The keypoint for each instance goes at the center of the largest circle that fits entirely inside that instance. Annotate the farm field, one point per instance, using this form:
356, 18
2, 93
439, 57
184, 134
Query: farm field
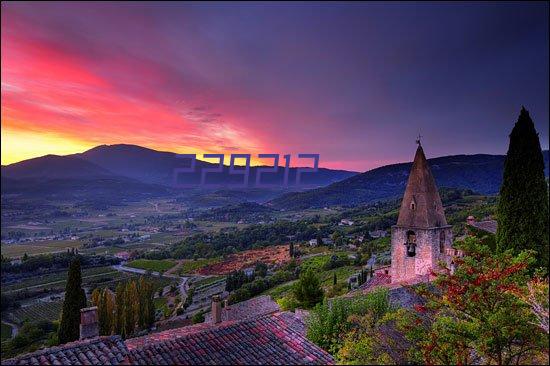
191, 266
270, 255
207, 281
40, 311
38, 247
214, 226
155, 265
279, 291
58, 279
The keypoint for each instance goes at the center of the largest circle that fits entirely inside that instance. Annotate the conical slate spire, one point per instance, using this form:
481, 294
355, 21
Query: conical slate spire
421, 206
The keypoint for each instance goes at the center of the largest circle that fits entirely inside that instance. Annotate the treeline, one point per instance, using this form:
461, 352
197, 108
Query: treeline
232, 213
54, 261
130, 310
261, 284
212, 245
237, 279
31, 336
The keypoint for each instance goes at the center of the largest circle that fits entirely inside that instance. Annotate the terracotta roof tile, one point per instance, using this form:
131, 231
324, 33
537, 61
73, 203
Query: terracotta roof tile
85, 352
275, 338
256, 306
487, 225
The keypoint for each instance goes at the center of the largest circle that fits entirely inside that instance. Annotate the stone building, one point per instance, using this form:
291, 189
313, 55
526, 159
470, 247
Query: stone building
421, 237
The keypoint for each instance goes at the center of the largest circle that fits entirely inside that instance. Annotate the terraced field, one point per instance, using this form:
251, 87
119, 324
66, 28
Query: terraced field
40, 311
58, 279
38, 247
155, 265
191, 266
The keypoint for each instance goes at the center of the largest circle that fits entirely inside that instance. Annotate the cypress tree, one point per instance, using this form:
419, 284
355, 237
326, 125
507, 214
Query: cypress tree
75, 299
334, 279
522, 212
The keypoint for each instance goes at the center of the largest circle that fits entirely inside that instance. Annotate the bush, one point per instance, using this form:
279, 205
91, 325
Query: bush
327, 323
198, 318
288, 302
335, 262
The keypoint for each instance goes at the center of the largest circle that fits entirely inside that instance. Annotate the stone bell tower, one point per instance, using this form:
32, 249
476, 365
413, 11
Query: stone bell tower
421, 237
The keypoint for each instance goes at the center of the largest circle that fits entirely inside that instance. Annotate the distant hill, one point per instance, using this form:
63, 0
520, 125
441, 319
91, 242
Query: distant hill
109, 189
54, 167
151, 166
131, 172
480, 173
54, 177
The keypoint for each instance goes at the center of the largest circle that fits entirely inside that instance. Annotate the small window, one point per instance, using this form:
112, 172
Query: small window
413, 206
441, 242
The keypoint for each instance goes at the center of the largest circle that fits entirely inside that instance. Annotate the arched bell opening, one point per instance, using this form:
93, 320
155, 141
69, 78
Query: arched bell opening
411, 243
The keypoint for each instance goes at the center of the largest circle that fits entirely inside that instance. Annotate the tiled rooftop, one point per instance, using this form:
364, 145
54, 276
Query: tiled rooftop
96, 351
260, 305
275, 338
487, 225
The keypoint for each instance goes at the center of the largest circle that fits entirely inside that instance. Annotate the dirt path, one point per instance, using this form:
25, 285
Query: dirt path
175, 270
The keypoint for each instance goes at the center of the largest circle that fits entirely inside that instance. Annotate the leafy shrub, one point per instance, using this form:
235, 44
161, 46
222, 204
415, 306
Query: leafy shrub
328, 322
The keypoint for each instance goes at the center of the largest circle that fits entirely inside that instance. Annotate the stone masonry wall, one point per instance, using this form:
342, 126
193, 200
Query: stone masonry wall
427, 255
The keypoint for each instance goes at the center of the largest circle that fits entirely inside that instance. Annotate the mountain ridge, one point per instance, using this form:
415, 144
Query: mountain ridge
151, 166
481, 173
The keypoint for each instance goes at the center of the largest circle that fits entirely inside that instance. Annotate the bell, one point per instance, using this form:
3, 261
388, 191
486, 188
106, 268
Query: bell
411, 249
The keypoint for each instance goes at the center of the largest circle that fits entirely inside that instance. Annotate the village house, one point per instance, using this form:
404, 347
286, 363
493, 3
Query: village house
123, 255
488, 225
378, 234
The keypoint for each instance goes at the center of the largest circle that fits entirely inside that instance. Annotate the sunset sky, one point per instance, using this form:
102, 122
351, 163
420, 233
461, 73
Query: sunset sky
354, 82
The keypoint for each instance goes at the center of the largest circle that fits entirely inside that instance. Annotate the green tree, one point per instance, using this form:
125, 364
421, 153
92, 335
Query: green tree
307, 290
131, 307
260, 270
198, 318
476, 315
328, 323
95, 297
104, 309
319, 240
119, 309
522, 212
146, 303
75, 299
334, 279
